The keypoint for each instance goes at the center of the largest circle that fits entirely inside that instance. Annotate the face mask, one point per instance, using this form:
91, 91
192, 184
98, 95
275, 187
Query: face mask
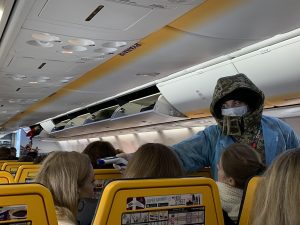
237, 111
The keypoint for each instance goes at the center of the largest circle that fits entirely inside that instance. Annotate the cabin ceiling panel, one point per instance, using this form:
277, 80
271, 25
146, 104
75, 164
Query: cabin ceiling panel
70, 102
11, 108
175, 55
14, 89
37, 67
61, 49
112, 16
117, 20
21, 97
37, 93
8, 83
250, 20
8, 110
49, 112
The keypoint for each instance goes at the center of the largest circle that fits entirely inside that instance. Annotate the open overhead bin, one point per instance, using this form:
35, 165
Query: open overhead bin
273, 68
196, 89
142, 108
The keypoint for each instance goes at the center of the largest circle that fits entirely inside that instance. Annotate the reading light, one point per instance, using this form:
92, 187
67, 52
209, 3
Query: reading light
44, 37
75, 48
105, 50
66, 52
81, 42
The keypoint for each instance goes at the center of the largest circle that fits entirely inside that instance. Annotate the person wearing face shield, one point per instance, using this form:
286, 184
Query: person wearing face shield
237, 106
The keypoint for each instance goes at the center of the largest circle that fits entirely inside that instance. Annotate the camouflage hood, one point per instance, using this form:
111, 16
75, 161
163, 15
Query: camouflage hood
238, 87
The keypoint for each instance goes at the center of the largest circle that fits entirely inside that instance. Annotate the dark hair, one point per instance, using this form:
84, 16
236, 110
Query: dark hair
241, 162
32, 154
26, 158
154, 160
4, 153
97, 150
119, 151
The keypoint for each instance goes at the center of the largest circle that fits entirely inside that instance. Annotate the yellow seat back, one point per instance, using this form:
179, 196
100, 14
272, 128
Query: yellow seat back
205, 172
12, 167
248, 201
26, 173
28, 204
6, 177
4, 161
102, 176
160, 201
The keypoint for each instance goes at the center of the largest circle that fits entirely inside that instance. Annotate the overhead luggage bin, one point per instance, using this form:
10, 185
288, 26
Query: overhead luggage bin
278, 69
144, 111
196, 89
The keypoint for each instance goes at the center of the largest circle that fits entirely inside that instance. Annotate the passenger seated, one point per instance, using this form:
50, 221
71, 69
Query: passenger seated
29, 157
97, 150
39, 159
13, 153
26, 158
153, 160
5, 153
69, 176
238, 163
277, 196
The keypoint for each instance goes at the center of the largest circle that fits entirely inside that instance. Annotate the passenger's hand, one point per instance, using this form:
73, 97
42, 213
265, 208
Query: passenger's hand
122, 162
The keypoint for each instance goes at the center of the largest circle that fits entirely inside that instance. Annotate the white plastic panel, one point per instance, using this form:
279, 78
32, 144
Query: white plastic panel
275, 70
47, 125
194, 91
284, 112
30, 66
251, 20
118, 20
112, 16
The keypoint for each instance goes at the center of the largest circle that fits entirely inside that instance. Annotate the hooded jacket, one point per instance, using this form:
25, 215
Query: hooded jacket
205, 148
243, 129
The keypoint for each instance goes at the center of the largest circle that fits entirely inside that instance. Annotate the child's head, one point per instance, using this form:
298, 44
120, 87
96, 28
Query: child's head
153, 160
238, 163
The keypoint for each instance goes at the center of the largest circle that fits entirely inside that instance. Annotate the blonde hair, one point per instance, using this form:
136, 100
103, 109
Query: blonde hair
277, 197
63, 173
153, 160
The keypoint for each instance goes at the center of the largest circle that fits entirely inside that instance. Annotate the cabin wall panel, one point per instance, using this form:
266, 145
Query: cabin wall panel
130, 142
294, 122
